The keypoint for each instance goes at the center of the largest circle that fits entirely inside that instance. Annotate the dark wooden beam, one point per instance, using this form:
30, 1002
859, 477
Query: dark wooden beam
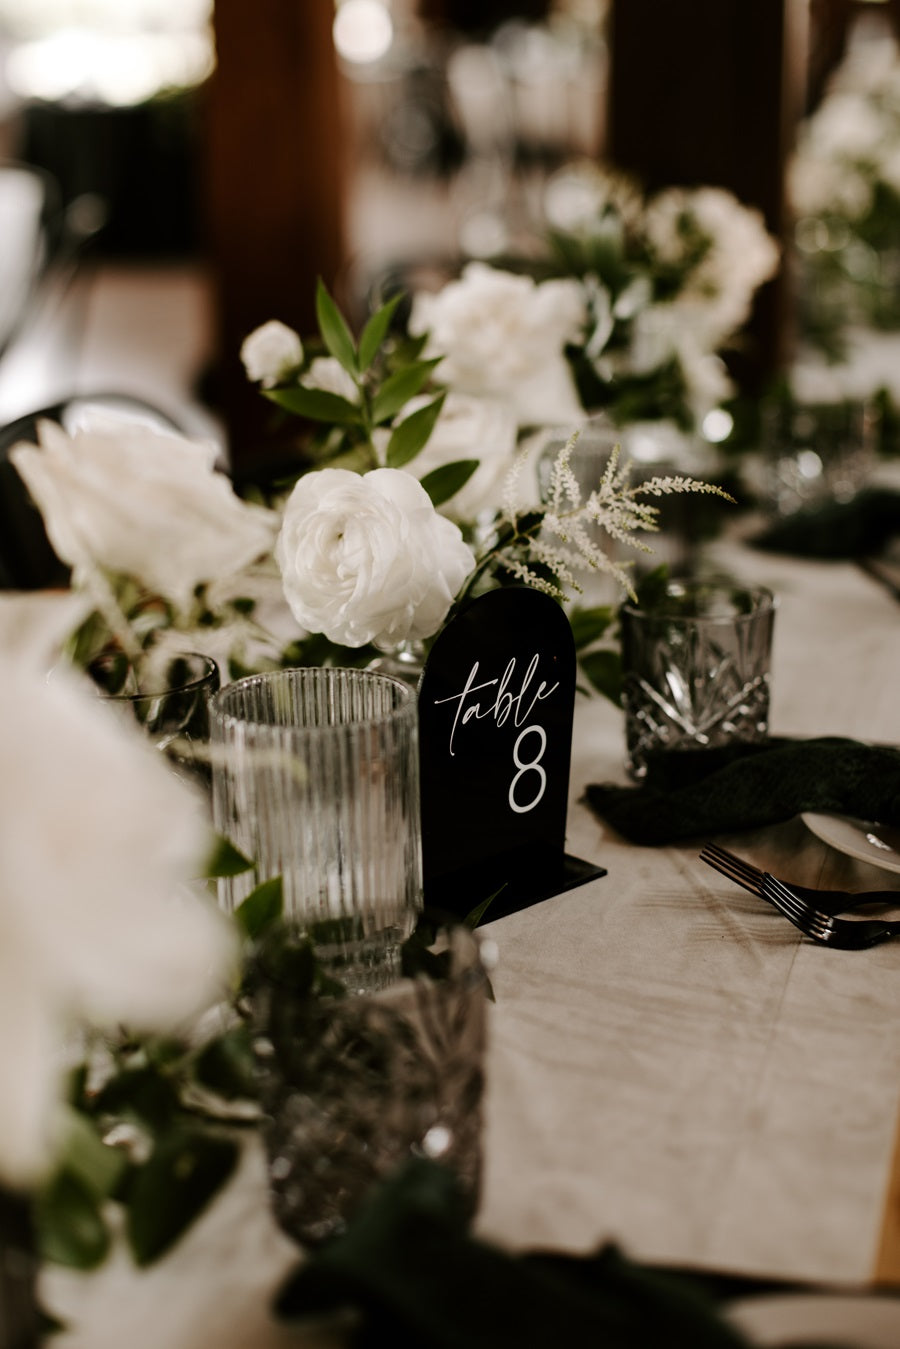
274, 177
710, 92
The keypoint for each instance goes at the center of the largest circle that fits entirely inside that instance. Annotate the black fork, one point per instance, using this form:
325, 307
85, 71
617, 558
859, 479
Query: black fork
751, 878
844, 934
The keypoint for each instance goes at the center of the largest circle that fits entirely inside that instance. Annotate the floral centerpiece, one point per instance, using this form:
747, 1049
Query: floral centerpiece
667, 282
409, 498
844, 186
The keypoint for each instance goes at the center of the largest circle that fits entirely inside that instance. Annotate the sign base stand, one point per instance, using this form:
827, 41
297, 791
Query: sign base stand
461, 893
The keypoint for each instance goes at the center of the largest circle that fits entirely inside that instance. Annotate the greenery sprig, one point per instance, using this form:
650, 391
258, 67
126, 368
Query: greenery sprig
386, 371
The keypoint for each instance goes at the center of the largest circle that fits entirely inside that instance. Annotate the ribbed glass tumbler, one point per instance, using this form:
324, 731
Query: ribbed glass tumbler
695, 667
316, 778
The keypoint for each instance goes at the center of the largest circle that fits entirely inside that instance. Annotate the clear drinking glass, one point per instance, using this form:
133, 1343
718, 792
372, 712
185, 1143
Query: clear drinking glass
695, 666
171, 705
316, 778
353, 1086
816, 452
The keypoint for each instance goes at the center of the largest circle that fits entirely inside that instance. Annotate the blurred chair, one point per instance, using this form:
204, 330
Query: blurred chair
27, 559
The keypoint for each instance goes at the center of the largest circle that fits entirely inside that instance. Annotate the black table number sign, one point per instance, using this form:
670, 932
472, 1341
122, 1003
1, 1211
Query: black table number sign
496, 705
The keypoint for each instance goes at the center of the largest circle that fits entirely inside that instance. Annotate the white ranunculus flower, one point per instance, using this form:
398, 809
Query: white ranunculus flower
367, 558
327, 373
503, 336
271, 352
141, 501
98, 843
469, 428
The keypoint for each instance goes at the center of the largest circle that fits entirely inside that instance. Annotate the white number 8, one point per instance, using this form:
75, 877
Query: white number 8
532, 766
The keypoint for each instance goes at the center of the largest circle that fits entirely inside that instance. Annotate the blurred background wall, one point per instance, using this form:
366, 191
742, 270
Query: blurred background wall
381, 142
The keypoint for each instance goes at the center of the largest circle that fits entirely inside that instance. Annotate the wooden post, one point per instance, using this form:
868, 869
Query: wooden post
274, 190
710, 92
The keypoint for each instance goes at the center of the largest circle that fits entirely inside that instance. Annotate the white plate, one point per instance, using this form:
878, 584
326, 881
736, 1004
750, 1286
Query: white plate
867, 842
861, 1322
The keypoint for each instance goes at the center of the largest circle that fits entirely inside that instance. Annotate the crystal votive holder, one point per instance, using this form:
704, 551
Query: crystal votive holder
351, 1087
316, 779
695, 666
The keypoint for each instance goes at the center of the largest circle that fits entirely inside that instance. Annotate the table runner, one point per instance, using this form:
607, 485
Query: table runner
671, 1064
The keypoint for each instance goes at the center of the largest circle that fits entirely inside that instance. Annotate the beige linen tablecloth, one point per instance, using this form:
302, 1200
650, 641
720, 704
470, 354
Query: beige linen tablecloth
671, 1065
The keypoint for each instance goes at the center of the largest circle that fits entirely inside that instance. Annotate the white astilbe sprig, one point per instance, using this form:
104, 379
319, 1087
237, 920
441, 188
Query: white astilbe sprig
561, 537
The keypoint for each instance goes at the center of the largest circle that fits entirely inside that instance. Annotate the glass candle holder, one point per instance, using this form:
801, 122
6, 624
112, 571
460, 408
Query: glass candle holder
351, 1087
316, 779
695, 665
816, 452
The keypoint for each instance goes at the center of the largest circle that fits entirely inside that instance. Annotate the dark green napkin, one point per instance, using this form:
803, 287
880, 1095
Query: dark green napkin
418, 1280
837, 530
688, 793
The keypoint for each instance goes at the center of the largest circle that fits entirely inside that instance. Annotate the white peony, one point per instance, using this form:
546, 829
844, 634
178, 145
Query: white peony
271, 352
469, 428
503, 336
367, 558
98, 841
140, 501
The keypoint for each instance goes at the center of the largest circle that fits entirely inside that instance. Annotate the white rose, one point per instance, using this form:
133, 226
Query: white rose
469, 428
367, 558
327, 373
98, 841
503, 336
271, 352
141, 501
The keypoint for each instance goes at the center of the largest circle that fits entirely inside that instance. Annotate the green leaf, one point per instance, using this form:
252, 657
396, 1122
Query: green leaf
335, 333
590, 624
184, 1171
474, 916
261, 908
226, 860
97, 1167
408, 349
399, 388
140, 1093
316, 404
652, 587
444, 482
604, 670
412, 433
375, 331
226, 1067
69, 1222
